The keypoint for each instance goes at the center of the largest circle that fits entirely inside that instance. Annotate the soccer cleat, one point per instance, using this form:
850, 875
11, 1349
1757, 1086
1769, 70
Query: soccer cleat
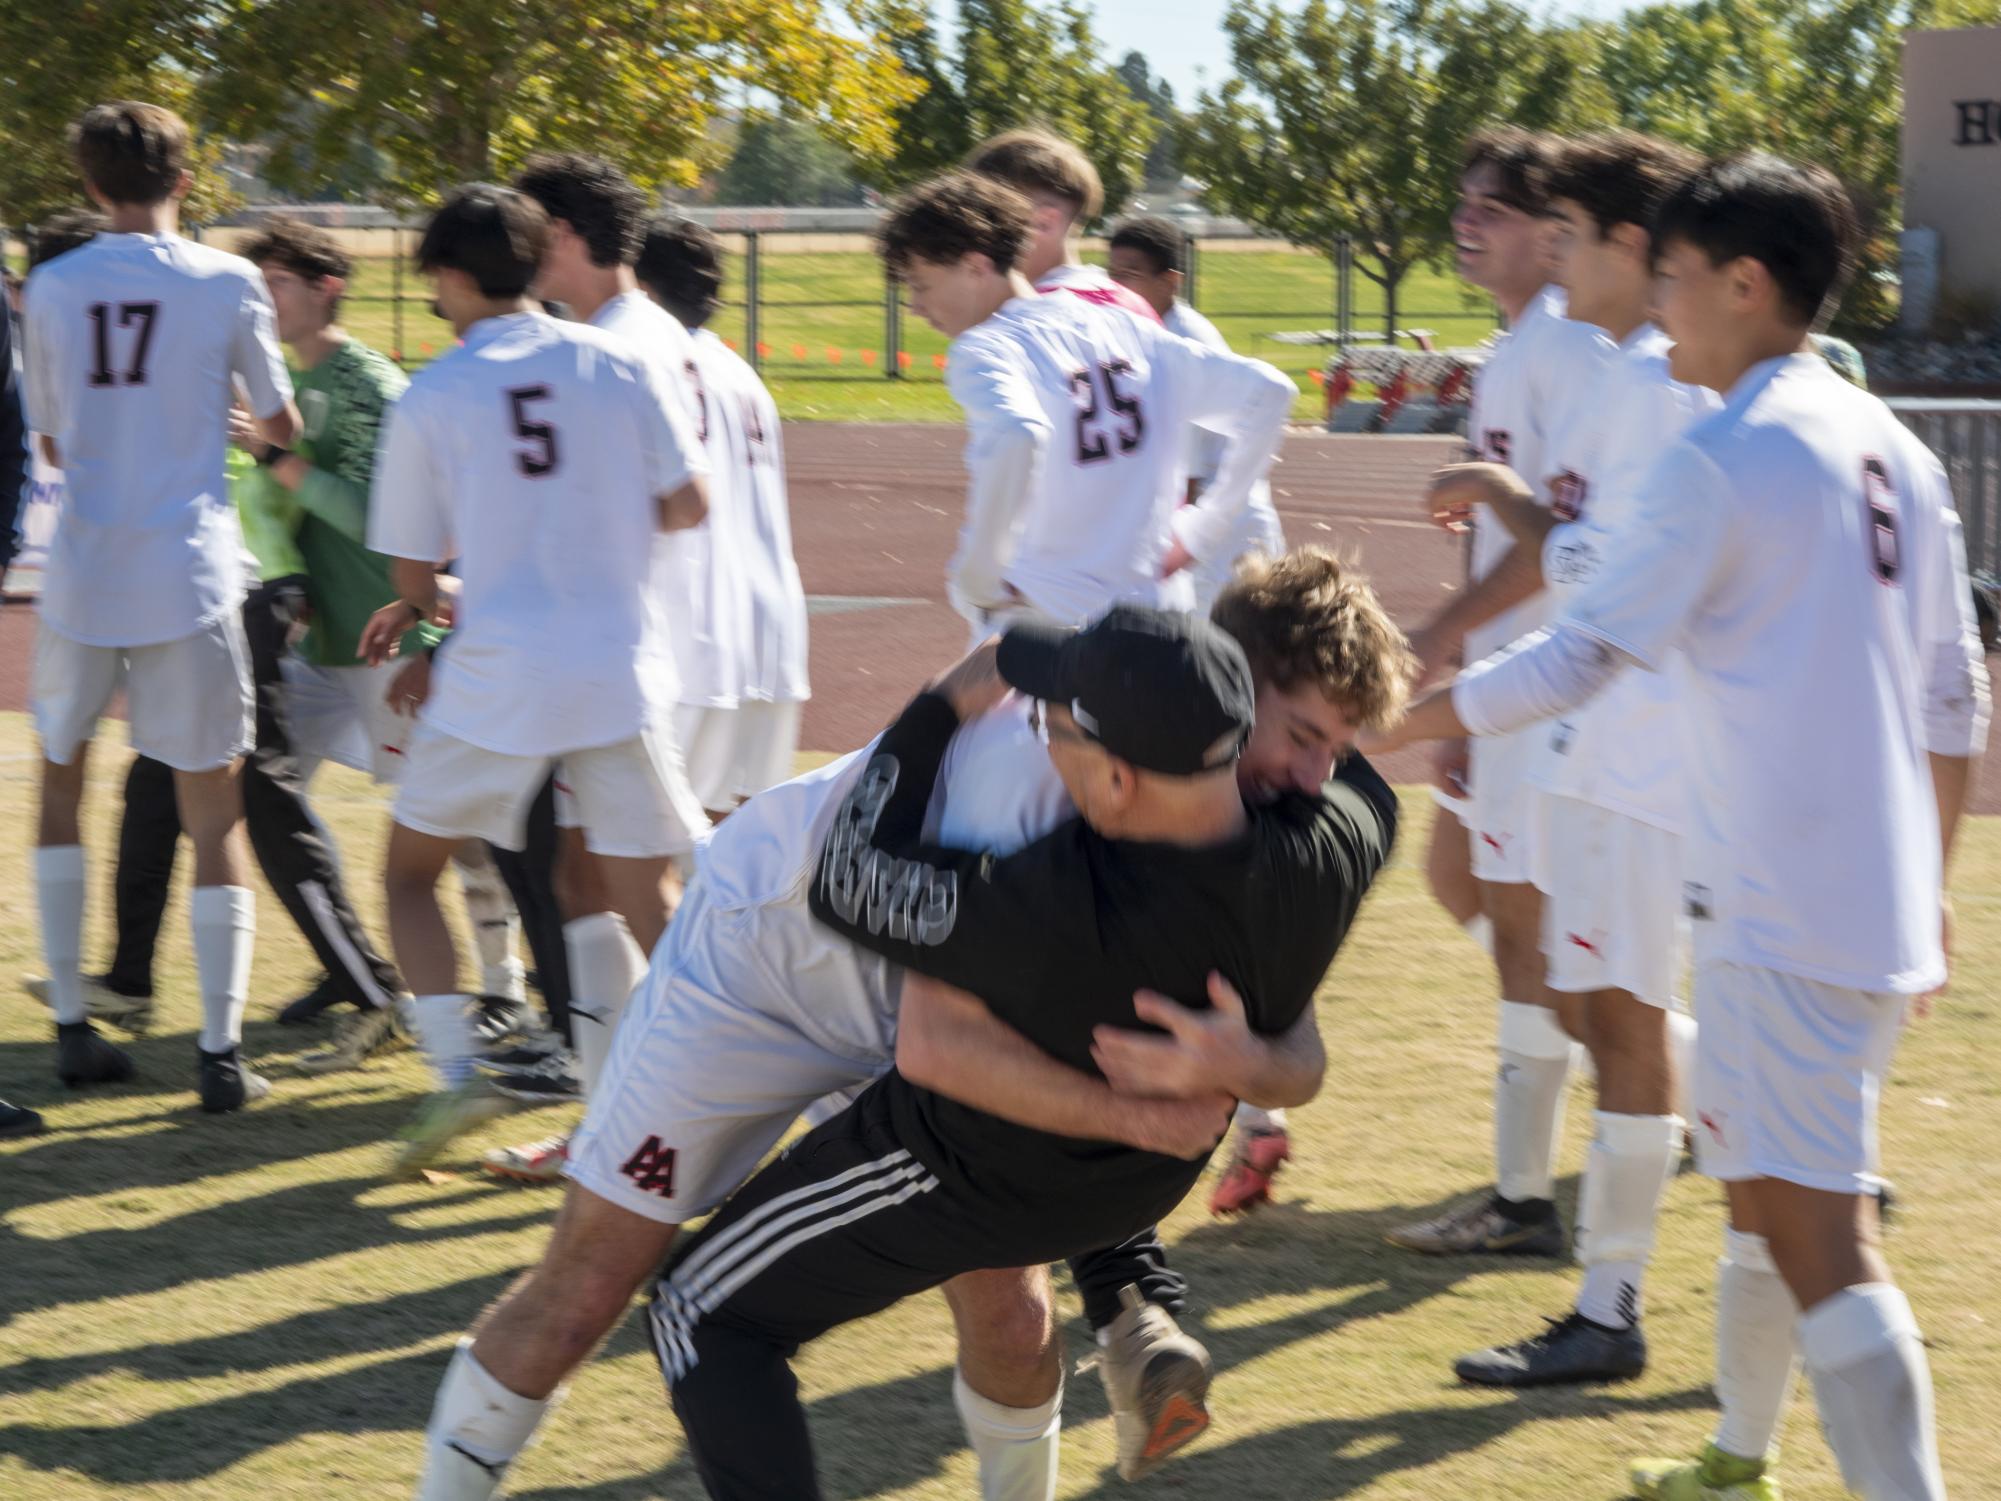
309, 1007
19, 1120
532, 1162
1570, 1351
358, 1038
496, 1018
1491, 1226
1246, 1182
552, 1082
1711, 1476
1158, 1381
530, 1052
131, 1013
83, 1057
442, 1118
226, 1084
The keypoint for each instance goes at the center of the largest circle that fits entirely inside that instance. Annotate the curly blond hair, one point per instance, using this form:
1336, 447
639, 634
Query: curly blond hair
1308, 617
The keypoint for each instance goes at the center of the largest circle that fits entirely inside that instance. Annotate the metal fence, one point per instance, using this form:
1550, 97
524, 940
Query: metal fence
1966, 436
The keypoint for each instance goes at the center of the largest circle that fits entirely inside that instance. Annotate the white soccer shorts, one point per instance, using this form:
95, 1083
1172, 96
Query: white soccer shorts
1612, 900
1787, 1075
343, 714
630, 799
189, 701
706, 1073
1502, 825
736, 753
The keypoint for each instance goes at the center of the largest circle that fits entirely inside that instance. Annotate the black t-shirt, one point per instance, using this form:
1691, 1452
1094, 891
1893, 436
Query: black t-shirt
1057, 937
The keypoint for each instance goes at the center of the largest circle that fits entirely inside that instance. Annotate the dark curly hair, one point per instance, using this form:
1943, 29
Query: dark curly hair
1160, 240
301, 248
1794, 219
604, 206
681, 264
951, 216
61, 233
1621, 176
1522, 159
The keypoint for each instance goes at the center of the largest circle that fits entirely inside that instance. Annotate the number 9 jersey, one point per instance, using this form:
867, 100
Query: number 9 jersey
1076, 454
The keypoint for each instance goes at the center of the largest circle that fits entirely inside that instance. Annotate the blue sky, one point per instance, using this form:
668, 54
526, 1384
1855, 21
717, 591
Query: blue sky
1183, 39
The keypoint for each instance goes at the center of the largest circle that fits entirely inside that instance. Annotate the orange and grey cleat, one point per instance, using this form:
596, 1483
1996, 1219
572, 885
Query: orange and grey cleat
1246, 1183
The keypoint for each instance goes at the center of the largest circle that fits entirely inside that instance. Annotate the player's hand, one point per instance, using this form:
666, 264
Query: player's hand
1188, 1129
385, 631
243, 433
1452, 768
1458, 488
1922, 1006
411, 687
1203, 1052
1175, 559
974, 684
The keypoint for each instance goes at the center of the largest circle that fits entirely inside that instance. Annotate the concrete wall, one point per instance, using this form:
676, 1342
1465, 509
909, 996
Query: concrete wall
1952, 152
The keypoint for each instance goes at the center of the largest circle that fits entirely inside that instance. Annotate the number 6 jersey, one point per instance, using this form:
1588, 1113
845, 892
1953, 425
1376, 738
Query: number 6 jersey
134, 345
1078, 416
534, 453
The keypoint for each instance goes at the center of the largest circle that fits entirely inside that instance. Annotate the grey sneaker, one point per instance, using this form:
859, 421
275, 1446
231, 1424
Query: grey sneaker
131, 1013
1491, 1227
1158, 1381
357, 1038
1569, 1352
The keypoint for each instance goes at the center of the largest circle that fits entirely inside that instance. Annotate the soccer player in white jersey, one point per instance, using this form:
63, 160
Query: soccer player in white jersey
1609, 778
1542, 368
1800, 547
1066, 194
544, 458
597, 219
1075, 415
137, 344
734, 755
751, 1011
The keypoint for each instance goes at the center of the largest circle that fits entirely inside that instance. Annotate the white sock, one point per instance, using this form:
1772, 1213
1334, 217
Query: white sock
494, 924
1625, 1173
1480, 928
1251, 1118
604, 966
1874, 1388
1681, 1052
444, 1032
59, 888
1016, 1446
477, 1428
1757, 1347
224, 919
1528, 1100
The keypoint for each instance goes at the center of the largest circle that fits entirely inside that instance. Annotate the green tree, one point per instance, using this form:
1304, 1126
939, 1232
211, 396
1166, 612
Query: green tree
787, 162
1163, 158
1018, 64
450, 91
1347, 119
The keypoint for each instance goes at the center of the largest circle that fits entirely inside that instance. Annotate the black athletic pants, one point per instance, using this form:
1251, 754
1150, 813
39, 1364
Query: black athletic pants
1141, 1260
293, 848
530, 876
844, 1225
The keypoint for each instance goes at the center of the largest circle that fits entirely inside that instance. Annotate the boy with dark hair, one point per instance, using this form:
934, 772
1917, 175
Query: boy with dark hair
1075, 415
135, 343
544, 457
1801, 548
1541, 369
1065, 194
62, 232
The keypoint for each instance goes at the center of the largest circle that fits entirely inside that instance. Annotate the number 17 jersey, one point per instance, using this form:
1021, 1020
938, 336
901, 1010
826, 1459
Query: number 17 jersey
533, 454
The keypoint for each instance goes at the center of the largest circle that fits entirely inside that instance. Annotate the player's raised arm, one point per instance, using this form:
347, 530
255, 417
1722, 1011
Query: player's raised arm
1007, 446
258, 361
1245, 400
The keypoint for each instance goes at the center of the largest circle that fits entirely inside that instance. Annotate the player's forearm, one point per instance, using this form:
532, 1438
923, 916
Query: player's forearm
1204, 527
415, 582
1952, 776
686, 507
282, 428
1285, 1071
1517, 577
338, 501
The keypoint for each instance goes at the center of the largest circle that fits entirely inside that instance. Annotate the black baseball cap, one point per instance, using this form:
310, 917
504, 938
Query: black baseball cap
1169, 693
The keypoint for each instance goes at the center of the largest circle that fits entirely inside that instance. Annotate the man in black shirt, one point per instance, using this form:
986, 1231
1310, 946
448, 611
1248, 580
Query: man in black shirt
1172, 878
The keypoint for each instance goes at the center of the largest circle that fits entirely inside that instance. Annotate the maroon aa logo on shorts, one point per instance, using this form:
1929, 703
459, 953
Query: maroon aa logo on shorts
1566, 495
652, 1168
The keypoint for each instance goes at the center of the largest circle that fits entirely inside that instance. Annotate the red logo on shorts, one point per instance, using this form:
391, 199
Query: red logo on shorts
652, 1168
1498, 843
1713, 1124
1589, 945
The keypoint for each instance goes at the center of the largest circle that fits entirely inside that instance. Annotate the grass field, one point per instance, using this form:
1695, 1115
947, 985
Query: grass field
815, 304
196, 1308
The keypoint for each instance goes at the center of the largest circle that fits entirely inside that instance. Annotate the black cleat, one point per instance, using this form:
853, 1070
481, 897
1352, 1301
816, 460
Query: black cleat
83, 1057
19, 1120
551, 1083
496, 1018
1570, 1351
226, 1084
311, 1006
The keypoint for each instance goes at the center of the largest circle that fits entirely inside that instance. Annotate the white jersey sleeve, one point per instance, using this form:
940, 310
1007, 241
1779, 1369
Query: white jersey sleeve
1955, 706
1245, 400
1007, 445
408, 511
670, 455
255, 357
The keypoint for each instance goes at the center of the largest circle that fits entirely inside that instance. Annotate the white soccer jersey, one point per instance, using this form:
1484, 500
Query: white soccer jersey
746, 450
1541, 370
135, 346
1257, 530
534, 453
1801, 547
1076, 415
1623, 750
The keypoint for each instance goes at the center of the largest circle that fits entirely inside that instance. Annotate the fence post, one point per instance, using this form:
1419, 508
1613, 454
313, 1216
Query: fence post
1344, 289
892, 327
1188, 277
751, 293
396, 291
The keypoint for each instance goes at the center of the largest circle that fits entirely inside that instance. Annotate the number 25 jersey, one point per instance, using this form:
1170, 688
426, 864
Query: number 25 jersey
533, 454
1078, 416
